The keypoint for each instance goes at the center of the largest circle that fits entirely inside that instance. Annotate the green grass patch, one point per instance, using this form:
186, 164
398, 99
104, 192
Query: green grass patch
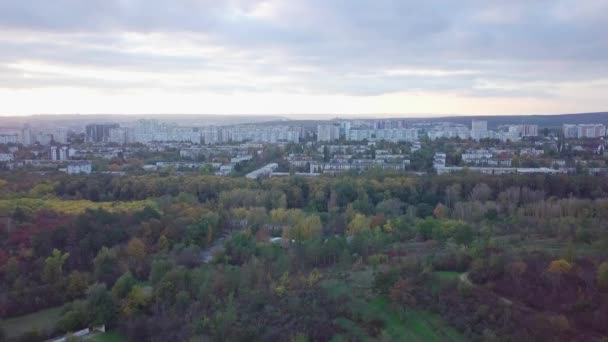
42, 321
411, 325
440, 279
108, 337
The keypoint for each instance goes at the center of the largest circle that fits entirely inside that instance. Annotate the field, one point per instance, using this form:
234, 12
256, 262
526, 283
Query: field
43, 320
70, 206
396, 325
412, 325
108, 337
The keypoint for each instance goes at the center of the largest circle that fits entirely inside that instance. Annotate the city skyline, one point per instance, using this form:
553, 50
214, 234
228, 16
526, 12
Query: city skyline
297, 58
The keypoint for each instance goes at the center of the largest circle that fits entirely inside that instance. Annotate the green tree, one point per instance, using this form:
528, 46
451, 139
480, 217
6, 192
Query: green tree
53, 266
77, 284
100, 305
105, 265
123, 286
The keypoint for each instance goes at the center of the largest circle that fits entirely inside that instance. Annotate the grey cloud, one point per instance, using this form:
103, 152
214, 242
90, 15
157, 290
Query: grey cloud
517, 40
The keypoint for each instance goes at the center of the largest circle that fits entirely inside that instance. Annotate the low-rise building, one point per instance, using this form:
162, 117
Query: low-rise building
79, 168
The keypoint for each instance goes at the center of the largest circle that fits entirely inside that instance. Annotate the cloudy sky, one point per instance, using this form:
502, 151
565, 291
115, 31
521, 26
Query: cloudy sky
303, 56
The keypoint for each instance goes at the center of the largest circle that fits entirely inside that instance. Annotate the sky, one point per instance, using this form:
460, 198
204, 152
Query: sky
375, 57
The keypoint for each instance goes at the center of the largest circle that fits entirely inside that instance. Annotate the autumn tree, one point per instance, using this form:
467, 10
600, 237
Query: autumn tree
401, 293
306, 228
358, 224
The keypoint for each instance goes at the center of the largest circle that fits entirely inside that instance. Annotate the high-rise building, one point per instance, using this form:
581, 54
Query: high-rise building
524, 130
8, 138
479, 125
118, 135
63, 153
479, 129
98, 133
591, 131
60, 136
54, 155
327, 132
584, 131
570, 131
26, 135
211, 135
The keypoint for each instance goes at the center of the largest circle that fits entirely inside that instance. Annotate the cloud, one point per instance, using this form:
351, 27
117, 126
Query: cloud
357, 48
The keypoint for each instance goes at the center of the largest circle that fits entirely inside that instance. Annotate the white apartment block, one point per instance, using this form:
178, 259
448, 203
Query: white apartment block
118, 135
78, 168
524, 130
26, 135
570, 131
584, 131
591, 131
388, 134
60, 136
8, 138
149, 130
449, 132
6, 157
479, 125
328, 132
264, 135
212, 135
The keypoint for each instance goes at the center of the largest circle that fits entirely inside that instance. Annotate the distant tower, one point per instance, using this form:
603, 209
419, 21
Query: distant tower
63, 153
26, 135
53, 152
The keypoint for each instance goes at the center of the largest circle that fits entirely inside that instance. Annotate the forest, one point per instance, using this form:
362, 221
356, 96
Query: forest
379, 256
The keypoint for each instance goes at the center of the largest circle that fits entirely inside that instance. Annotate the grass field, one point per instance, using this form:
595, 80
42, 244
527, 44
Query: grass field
441, 278
374, 310
70, 206
43, 320
412, 325
108, 337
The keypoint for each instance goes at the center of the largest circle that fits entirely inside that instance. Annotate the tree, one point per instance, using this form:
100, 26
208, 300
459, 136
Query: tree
100, 305
123, 286
556, 270
391, 207
441, 211
240, 247
106, 266
602, 275
75, 318
401, 293
384, 281
136, 249
516, 270
481, 192
358, 224
306, 228
559, 266
222, 322
158, 269
452, 194
77, 284
137, 299
53, 266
